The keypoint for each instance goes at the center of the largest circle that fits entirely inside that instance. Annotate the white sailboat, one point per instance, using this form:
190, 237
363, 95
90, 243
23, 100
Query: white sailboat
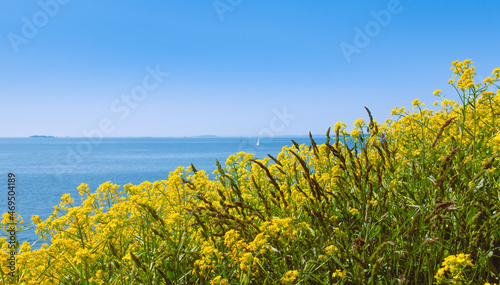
258, 141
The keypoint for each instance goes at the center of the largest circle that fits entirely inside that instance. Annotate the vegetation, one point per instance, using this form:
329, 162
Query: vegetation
414, 200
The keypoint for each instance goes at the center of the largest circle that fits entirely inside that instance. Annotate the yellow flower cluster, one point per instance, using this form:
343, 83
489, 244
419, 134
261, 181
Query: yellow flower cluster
340, 274
290, 276
466, 72
218, 280
332, 250
453, 268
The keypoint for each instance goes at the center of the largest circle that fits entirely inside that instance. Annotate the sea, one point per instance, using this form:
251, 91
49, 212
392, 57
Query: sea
45, 168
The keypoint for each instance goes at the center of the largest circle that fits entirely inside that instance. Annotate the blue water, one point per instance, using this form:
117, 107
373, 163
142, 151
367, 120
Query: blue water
47, 168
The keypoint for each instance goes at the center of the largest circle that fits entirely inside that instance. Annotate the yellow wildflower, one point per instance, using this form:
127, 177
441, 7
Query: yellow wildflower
359, 123
455, 265
331, 250
290, 276
5, 218
488, 80
354, 133
416, 103
340, 274
338, 126
218, 280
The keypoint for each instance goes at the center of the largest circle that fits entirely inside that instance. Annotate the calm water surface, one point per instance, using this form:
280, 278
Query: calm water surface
47, 168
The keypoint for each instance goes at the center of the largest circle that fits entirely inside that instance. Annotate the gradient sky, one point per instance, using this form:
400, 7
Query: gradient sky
251, 68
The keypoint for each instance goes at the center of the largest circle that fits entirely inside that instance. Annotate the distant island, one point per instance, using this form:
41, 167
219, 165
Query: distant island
45, 137
205, 136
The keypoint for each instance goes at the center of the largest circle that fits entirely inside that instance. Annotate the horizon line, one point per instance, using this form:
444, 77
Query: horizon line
180, 137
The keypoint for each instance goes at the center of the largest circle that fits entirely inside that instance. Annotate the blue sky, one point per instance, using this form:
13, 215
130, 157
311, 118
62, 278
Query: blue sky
235, 67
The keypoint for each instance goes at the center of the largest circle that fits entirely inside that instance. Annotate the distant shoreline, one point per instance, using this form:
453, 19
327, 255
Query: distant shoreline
44, 137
